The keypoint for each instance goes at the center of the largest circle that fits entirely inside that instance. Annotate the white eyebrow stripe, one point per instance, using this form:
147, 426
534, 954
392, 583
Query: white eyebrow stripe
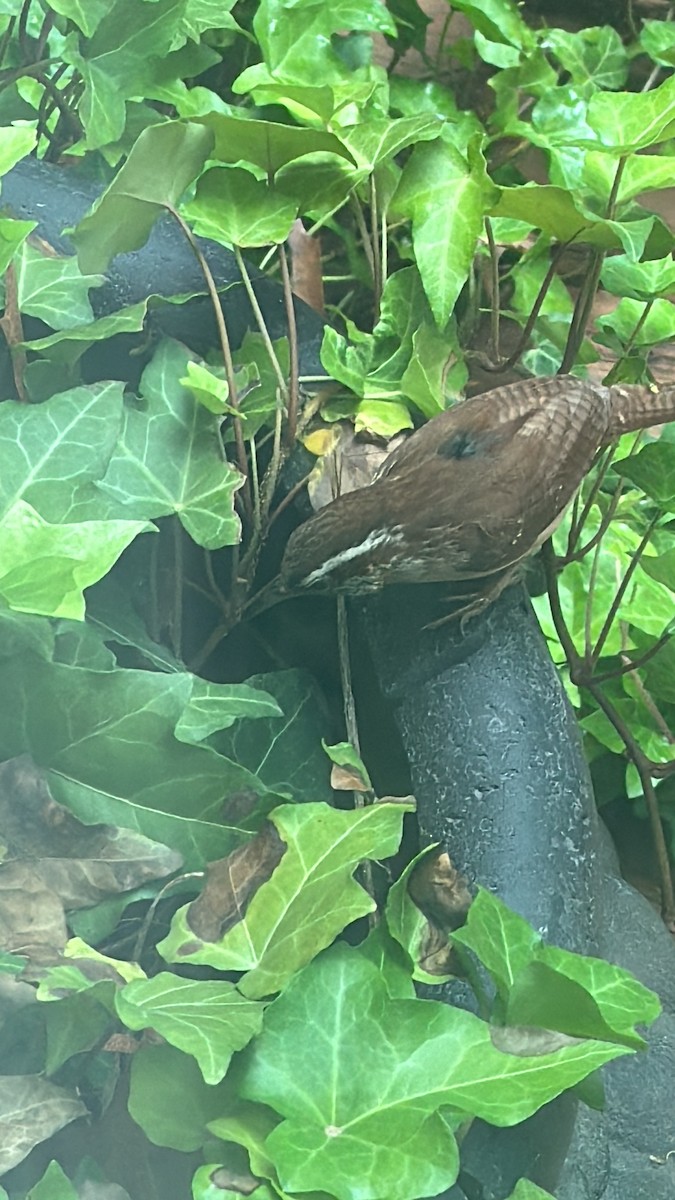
374, 539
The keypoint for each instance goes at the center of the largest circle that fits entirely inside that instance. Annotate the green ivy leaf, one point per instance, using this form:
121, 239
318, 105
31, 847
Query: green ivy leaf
45, 568
53, 289
15, 143
657, 39
445, 196
51, 1109
639, 280
525, 1190
628, 323
107, 744
115, 60
410, 1059
235, 208
309, 898
372, 142
283, 753
214, 706
169, 457
498, 21
556, 212
296, 39
267, 145
653, 470
52, 453
596, 55
12, 234
54, 1185
208, 1019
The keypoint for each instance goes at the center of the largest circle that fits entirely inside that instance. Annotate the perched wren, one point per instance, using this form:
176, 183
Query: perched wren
469, 495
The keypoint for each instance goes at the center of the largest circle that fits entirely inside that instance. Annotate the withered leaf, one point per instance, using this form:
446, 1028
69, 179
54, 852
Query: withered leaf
53, 862
231, 882
440, 891
235, 1181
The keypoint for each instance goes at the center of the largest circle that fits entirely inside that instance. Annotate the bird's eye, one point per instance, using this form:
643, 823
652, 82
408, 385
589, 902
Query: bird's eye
459, 445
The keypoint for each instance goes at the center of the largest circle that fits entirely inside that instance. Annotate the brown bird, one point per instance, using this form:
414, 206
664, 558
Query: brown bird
469, 495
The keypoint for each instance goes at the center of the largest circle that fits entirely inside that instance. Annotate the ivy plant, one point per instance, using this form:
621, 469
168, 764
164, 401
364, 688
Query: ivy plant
254, 1033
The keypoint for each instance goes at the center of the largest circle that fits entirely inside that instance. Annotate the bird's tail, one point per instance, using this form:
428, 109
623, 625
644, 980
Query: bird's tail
637, 407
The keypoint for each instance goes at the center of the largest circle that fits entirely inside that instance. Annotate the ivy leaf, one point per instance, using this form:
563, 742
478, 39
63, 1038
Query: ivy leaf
445, 196
53, 452
235, 208
595, 55
45, 568
115, 61
653, 470
15, 143
657, 39
639, 280
267, 145
169, 457
318, 183
283, 752
616, 122
301, 906
497, 20
525, 1190
164, 160
556, 212
208, 1019
106, 742
214, 706
51, 1108
170, 1100
411, 1059
53, 289
297, 39
12, 234
629, 323
86, 14
372, 142
550, 988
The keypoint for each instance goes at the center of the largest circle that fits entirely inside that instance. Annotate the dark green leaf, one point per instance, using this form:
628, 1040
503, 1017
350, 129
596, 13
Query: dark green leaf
169, 1099
163, 162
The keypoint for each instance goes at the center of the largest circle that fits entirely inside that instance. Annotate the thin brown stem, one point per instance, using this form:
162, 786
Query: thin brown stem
260, 322
226, 351
634, 664
532, 318
375, 242
349, 709
289, 498
622, 588
579, 520
597, 537
294, 372
582, 312
494, 291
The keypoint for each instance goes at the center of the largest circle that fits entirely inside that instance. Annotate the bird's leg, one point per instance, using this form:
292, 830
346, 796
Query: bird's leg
488, 590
